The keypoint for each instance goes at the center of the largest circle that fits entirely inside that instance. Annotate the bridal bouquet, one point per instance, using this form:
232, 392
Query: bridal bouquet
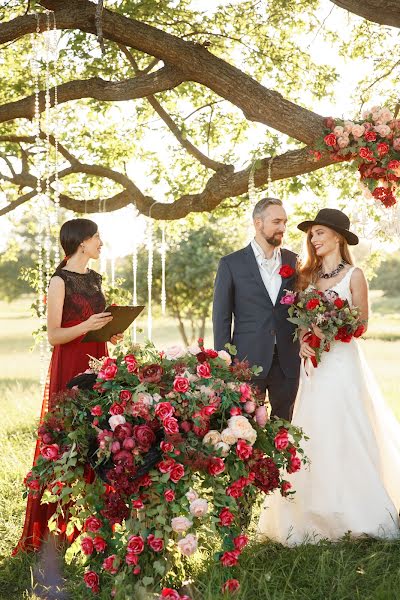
156, 455
333, 315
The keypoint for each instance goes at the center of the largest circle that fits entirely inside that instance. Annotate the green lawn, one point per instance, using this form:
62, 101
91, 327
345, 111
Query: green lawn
365, 570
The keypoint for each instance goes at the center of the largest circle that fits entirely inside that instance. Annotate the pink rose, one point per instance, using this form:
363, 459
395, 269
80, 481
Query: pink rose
188, 545
93, 524
115, 447
171, 425
180, 524
174, 352
204, 370
92, 581
261, 416
125, 395
165, 466
231, 586
288, 298
245, 391
96, 411
396, 144
131, 558
116, 409
123, 458
295, 465
181, 385
169, 495
357, 131
128, 443
166, 446
109, 372
156, 544
225, 356
99, 543
343, 142
87, 545
50, 451
249, 407
191, 495
164, 409
135, 544
235, 411
111, 564
131, 363
281, 439
199, 507
243, 450
116, 420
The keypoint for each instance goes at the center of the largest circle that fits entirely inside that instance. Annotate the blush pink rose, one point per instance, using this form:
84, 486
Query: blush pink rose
199, 507
188, 545
261, 415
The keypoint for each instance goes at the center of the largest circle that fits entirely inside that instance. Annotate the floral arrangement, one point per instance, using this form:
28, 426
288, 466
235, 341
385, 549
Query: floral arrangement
374, 144
155, 455
333, 316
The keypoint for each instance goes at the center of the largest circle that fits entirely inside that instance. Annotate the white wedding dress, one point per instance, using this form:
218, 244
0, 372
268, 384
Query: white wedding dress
353, 481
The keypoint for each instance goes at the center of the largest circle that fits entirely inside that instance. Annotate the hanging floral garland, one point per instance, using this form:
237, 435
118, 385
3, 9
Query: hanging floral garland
373, 143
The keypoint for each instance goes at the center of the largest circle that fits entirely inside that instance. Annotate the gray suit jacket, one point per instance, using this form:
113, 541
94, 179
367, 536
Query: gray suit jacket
240, 294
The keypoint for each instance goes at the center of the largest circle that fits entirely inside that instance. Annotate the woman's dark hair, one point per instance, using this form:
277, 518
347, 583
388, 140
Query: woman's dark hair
72, 234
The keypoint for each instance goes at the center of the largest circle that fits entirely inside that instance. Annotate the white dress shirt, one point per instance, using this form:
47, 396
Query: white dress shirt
269, 269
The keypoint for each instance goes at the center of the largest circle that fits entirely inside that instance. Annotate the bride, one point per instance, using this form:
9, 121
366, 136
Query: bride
352, 485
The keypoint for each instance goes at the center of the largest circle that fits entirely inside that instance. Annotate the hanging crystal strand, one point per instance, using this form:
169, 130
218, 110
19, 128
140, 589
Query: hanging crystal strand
269, 176
113, 269
251, 184
56, 194
163, 252
150, 250
40, 224
134, 290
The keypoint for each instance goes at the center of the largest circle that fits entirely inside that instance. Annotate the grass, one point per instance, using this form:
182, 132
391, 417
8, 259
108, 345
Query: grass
349, 570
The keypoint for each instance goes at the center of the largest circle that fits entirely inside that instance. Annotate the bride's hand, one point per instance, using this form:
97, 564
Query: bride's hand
318, 332
305, 350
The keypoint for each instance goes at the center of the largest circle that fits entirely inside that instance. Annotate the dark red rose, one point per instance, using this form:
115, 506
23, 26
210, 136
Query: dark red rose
123, 458
186, 426
93, 524
201, 425
215, 466
92, 581
313, 303
47, 438
330, 139
144, 436
201, 357
87, 545
99, 543
359, 331
131, 558
226, 518
181, 385
329, 122
116, 409
170, 425
156, 544
231, 586
150, 373
164, 410
343, 335
339, 303
50, 451
137, 504
136, 544
123, 431
286, 271
177, 472
230, 559
125, 395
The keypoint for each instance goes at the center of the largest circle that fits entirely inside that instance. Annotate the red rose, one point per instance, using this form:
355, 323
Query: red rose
235, 490
137, 504
286, 271
150, 373
171, 425
50, 452
226, 518
181, 385
123, 431
285, 487
230, 585
92, 581
339, 303
330, 139
96, 411
235, 411
295, 465
109, 372
131, 559
131, 363
177, 472
164, 410
125, 395
204, 370
33, 485
144, 436
169, 495
313, 303
230, 559
393, 164
116, 409
201, 424
281, 439
165, 466
166, 446
136, 570
123, 458
211, 353
87, 545
99, 543
359, 331
110, 564
343, 335
382, 148
156, 544
215, 466
243, 450
240, 541
136, 544
169, 594
93, 524
366, 153
370, 136
186, 426
207, 411
47, 438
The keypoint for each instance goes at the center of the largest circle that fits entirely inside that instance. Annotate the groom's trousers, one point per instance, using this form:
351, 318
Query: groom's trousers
282, 390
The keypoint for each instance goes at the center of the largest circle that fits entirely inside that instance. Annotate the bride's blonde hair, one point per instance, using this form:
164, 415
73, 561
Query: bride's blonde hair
310, 262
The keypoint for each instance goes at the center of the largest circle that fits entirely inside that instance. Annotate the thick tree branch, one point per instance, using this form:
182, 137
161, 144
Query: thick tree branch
129, 89
384, 12
170, 123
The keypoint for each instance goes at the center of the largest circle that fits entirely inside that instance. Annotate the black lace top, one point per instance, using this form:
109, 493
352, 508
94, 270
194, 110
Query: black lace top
83, 295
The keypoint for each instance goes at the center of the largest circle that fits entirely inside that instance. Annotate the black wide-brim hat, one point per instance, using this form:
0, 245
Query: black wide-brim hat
334, 219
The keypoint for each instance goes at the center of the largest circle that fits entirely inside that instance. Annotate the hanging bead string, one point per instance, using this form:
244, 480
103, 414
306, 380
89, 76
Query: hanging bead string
163, 253
134, 289
252, 191
150, 251
47, 244
56, 194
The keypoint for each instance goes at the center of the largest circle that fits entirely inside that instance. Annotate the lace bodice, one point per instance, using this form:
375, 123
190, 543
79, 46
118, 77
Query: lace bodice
83, 295
343, 287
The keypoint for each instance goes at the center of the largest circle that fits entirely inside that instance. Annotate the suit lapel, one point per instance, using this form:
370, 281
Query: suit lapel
286, 260
255, 270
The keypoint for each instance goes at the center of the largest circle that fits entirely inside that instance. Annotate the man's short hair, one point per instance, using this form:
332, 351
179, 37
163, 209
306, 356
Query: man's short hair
263, 204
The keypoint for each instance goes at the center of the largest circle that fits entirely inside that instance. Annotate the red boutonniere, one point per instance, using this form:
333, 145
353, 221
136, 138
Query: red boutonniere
286, 271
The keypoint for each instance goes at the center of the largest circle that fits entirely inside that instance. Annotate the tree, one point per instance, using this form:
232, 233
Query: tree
184, 57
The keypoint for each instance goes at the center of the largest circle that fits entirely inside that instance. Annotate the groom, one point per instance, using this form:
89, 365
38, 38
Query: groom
248, 287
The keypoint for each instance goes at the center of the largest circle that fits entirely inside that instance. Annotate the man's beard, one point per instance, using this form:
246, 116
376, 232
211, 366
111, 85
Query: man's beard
274, 240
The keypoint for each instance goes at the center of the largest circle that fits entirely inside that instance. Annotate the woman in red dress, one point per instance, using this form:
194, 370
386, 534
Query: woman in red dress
75, 305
